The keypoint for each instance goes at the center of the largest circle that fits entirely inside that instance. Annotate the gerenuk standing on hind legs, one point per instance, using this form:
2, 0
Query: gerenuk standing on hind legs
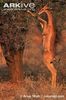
48, 41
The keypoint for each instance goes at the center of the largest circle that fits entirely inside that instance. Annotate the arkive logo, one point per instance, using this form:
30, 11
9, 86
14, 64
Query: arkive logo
22, 6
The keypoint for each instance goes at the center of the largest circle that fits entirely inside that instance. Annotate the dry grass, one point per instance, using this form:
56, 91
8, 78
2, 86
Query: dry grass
31, 90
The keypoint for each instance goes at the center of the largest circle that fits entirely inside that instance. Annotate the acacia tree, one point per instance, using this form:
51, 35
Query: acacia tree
12, 39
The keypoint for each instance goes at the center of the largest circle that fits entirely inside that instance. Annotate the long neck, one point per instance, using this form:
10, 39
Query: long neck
50, 18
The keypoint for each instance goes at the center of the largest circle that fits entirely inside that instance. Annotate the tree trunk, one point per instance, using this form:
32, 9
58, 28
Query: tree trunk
2, 58
16, 67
